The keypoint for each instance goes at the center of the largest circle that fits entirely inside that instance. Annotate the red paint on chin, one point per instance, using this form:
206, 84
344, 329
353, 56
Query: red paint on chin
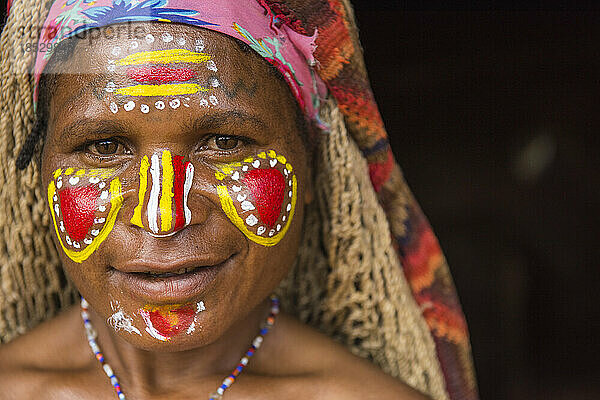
171, 321
160, 74
267, 187
78, 205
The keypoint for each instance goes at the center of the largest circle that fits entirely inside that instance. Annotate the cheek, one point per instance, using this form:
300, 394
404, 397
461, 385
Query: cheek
259, 196
84, 206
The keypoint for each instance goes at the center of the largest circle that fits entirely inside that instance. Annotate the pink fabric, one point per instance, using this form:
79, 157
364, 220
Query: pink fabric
290, 52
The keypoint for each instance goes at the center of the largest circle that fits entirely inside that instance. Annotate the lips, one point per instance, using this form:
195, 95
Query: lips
164, 283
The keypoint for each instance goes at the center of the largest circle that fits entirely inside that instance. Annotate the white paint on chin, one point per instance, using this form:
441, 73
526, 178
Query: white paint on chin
121, 321
150, 328
199, 308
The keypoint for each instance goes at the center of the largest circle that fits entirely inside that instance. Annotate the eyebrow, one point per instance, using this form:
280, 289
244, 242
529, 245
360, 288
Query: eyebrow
88, 128
219, 119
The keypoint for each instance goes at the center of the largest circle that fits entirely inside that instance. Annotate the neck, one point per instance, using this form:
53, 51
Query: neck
142, 370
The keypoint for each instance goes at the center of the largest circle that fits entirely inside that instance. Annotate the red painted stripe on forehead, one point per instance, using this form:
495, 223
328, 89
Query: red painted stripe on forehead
160, 74
178, 181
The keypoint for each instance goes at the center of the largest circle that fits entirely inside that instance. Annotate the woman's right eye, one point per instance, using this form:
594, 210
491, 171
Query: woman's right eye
105, 148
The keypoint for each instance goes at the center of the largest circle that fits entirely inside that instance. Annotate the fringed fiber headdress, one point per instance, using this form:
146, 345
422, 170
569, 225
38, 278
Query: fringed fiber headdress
369, 272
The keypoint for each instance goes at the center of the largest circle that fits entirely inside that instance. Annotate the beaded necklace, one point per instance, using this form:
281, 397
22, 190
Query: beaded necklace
227, 382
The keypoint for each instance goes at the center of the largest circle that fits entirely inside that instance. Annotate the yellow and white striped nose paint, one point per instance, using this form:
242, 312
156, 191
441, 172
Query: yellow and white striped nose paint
170, 182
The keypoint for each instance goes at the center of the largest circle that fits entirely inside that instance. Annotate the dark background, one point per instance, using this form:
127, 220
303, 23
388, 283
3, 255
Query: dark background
492, 110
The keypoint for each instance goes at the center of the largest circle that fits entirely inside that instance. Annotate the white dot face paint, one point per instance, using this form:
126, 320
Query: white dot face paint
161, 65
83, 213
130, 105
110, 87
255, 197
214, 82
199, 45
212, 66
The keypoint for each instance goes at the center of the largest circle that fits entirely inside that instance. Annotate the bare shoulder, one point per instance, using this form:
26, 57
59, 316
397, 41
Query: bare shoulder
32, 362
326, 367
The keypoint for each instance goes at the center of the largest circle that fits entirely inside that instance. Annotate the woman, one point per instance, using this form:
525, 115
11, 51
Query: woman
191, 162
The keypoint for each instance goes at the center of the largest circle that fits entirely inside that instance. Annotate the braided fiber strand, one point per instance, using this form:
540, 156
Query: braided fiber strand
347, 281
32, 284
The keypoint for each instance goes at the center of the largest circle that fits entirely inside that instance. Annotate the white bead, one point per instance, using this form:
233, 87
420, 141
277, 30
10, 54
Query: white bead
220, 391
244, 361
258, 341
108, 369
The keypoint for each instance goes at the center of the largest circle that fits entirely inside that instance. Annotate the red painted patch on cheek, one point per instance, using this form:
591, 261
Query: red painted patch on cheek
78, 205
172, 322
267, 188
160, 74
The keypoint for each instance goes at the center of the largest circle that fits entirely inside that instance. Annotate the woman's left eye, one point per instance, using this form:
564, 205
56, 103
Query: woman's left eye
224, 142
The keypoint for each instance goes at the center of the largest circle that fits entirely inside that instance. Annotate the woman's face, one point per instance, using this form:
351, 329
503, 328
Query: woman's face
176, 178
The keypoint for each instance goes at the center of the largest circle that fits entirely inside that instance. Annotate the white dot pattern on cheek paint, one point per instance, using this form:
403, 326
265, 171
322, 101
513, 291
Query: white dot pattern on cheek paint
144, 108
160, 105
134, 45
167, 37
204, 103
213, 100
130, 105
149, 38
273, 227
113, 107
175, 103
116, 51
180, 41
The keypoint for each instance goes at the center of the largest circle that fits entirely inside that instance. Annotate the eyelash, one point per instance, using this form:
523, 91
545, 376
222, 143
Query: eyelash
244, 141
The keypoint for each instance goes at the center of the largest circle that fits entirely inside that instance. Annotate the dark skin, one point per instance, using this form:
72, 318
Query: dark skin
256, 112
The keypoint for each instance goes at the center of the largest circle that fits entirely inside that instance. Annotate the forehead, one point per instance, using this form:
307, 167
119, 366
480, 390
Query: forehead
160, 68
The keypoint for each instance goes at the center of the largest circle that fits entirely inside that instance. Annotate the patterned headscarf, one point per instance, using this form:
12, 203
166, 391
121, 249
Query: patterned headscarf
314, 44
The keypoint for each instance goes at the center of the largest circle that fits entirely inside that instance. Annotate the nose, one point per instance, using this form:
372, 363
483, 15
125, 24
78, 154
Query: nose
164, 190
